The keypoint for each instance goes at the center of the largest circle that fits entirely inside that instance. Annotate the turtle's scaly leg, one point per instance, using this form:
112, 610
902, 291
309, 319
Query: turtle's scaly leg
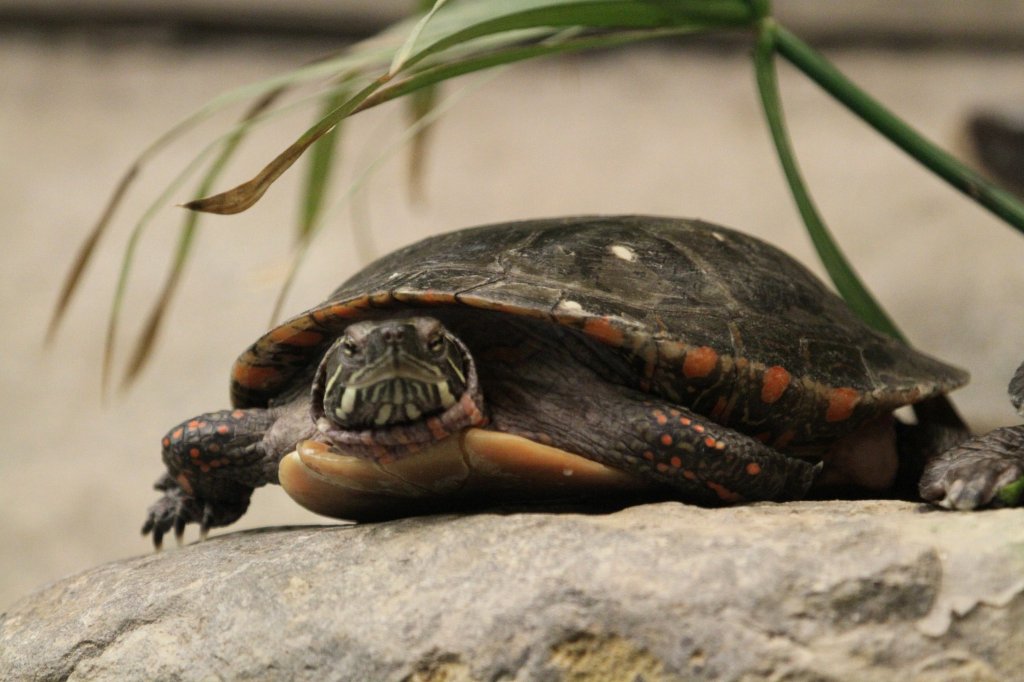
978, 472
985, 471
214, 461
705, 461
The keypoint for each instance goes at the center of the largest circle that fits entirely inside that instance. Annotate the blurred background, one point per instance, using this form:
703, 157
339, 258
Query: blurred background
668, 129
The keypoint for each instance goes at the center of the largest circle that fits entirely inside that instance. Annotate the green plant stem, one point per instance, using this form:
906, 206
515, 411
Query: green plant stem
815, 66
844, 277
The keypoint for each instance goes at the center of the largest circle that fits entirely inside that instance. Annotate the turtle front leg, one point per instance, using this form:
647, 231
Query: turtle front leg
705, 462
214, 461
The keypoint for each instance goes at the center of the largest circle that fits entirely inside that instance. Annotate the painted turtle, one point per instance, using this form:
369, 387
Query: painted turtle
514, 360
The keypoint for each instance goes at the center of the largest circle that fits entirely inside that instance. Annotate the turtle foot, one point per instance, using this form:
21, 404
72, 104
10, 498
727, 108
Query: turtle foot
986, 471
177, 508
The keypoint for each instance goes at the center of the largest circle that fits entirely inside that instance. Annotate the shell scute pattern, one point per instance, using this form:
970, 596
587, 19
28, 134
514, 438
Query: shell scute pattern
712, 318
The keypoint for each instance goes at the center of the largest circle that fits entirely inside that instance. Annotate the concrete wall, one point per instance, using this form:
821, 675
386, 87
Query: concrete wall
663, 130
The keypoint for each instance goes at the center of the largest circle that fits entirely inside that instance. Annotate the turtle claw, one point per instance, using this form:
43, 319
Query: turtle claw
978, 472
177, 508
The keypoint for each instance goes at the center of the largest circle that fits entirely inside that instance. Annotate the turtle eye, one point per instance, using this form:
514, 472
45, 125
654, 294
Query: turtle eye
436, 343
349, 347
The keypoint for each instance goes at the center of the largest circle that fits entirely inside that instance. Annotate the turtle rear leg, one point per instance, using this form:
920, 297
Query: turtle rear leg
978, 472
214, 461
987, 470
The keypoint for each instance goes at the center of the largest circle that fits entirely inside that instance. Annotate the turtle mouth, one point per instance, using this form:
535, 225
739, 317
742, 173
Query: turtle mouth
394, 389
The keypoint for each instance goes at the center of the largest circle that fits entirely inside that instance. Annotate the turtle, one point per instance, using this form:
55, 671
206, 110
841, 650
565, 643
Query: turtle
587, 356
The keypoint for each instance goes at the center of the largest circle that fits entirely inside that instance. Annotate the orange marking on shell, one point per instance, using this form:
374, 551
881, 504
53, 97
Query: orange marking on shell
685, 421
223, 428
753, 468
435, 297
254, 376
666, 439
774, 383
602, 329
841, 402
291, 336
676, 462
700, 362
709, 441
724, 493
699, 428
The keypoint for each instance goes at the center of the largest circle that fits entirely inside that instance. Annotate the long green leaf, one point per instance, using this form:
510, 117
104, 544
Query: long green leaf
482, 18
321, 160
186, 239
997, 200
839, 269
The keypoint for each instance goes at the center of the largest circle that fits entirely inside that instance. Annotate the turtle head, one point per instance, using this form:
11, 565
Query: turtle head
386, 373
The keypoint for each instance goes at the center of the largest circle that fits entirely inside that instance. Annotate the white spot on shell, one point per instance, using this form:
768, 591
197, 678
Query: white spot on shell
622, 251
569, 305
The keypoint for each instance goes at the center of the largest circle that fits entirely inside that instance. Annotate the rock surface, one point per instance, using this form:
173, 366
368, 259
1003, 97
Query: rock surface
801, 591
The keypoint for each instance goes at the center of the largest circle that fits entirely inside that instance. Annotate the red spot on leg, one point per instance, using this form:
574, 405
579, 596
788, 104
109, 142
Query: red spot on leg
774, 384
238, 414
666, 439
661, 419
166, 442
194, 452
177, 434
700, 362
710, 442
648, 455
676, 462
223, 428
753, 468
841, 402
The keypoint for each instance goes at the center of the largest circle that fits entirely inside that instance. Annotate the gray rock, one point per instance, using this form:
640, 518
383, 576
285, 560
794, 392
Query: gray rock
802, 591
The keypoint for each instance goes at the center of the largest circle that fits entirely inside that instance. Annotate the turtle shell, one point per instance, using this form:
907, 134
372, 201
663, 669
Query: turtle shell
710, 317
